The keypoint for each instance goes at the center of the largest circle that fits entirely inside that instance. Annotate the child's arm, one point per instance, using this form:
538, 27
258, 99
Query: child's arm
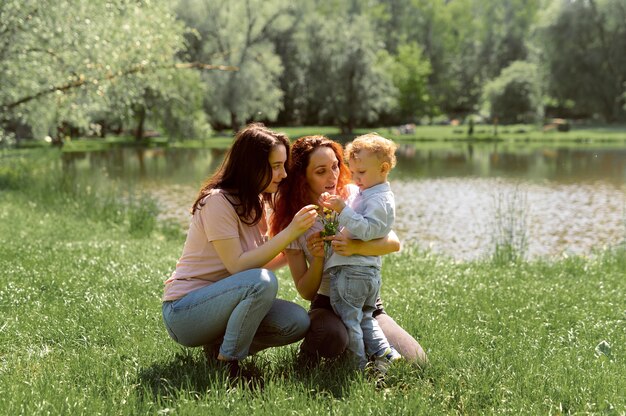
375, 221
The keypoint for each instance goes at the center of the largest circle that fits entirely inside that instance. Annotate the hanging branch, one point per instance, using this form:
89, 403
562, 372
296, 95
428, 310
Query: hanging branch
81, 80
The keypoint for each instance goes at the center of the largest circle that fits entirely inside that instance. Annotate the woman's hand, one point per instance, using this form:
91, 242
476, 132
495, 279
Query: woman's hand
378, 247
315, 244
303, 220
342, 244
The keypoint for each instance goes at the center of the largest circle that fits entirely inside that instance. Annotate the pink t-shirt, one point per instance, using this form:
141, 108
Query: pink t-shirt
200, 265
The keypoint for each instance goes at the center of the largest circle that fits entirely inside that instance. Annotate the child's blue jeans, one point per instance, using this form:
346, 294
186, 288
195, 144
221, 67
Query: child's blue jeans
241, 312
353, 293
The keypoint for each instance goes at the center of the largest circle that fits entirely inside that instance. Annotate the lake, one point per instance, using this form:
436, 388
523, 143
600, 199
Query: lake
453, 198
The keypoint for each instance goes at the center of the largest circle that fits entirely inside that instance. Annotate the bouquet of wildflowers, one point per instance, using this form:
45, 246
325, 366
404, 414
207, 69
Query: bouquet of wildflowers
331, 226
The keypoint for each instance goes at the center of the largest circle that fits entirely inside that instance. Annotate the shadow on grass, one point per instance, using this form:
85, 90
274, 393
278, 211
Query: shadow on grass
328, 378
184, 372
189, 374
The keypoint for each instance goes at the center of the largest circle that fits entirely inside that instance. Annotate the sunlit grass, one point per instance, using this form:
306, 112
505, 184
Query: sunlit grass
523, 133
527, 134
81, 329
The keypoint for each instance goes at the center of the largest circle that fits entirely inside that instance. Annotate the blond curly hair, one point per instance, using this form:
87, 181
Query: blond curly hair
384, 149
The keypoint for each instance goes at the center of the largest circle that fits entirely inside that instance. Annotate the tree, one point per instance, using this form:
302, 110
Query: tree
239, 33
348, 77
583, 46
467, 42
66, 63
430, 25
410, 73
515, 95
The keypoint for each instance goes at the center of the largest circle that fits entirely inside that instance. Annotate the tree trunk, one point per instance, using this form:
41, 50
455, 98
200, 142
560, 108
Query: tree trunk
346, 128
57, 140
141, 119
234, 122
142, 161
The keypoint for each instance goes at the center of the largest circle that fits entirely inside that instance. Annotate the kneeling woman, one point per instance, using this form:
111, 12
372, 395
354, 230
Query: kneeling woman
222, 294
316, 166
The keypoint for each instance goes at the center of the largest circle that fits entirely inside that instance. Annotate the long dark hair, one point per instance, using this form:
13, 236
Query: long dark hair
293, 191
245, 172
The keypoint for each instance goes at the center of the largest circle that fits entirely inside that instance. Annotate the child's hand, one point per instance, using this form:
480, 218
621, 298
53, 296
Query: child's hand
323, 197
333, 202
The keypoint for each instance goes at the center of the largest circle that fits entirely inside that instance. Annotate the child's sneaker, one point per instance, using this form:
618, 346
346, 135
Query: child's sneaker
381, 360
393, 355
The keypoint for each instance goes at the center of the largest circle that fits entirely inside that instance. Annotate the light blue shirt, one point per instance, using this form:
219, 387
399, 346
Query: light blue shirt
370, 215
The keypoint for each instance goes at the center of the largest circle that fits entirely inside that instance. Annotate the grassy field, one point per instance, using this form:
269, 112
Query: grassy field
521, 133
81, 329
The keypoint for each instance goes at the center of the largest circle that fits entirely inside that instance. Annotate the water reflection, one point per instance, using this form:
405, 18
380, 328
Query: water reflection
560, 164
445, 192
170, 165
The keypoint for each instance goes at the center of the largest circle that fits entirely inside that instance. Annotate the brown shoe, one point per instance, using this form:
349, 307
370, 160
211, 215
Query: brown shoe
236, 375
211, 351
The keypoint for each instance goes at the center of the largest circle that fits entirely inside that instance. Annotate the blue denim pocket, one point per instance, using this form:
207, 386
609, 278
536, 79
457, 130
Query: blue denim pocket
355, 284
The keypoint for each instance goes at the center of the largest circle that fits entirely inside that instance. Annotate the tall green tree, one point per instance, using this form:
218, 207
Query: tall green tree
348, 77
61, 62
467, 42
239, 33
410, 73
515, 95
583, 45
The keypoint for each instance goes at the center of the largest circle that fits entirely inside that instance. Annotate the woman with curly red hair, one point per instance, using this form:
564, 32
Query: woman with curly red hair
316, 166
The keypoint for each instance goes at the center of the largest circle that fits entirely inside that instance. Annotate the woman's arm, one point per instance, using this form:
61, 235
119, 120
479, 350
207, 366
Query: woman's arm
236, 260
307, 278
277, 262
378, 247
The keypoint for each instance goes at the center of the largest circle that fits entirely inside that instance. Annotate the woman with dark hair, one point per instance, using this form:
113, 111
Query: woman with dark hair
222, 294
316, 166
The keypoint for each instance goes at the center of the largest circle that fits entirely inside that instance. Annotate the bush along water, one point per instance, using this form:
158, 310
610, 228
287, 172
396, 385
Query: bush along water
41, 178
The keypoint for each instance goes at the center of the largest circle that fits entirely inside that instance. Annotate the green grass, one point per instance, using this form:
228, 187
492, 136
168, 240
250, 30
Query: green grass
521, 133
81, 329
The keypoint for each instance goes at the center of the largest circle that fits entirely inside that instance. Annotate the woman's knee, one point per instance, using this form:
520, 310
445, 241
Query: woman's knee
266, 283
327, 336
403, 342
300, 322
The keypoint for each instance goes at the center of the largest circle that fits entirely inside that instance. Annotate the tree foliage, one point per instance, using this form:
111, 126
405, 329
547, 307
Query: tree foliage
514, 96
583, 45
410, 74
67, 63
348, 79
239, 33
82, 65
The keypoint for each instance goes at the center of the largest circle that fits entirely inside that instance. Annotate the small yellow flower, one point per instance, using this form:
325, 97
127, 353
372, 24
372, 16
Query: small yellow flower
330, 221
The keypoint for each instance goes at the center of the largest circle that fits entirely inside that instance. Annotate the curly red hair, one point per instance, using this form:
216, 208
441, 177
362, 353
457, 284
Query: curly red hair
293, 192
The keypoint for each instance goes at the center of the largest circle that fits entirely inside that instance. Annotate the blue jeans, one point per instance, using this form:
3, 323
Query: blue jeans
353, 294
241, 312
